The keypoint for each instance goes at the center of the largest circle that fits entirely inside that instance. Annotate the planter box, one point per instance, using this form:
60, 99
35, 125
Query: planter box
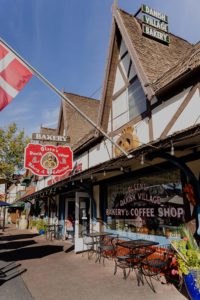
190, 283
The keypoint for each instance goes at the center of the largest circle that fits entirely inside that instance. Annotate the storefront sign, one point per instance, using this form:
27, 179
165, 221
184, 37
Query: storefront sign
154, 13
45, 160
50, 137
155, 24
147, 212
155, 33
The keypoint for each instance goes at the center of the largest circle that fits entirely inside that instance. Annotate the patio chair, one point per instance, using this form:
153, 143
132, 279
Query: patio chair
156, 265
89, 243
107, 247
122, 258
130, 259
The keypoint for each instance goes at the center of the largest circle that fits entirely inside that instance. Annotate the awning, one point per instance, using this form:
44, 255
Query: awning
19, 204
3, 203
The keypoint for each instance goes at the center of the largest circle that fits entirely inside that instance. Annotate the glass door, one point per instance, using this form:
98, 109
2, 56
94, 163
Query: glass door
82, 217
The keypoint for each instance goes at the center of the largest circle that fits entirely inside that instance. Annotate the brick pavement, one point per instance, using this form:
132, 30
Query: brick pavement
55, 273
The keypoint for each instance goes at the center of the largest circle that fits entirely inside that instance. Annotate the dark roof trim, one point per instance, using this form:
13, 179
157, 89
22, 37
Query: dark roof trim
135, 59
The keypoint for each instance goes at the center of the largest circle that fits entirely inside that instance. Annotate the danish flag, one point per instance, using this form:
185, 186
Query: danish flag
13, 75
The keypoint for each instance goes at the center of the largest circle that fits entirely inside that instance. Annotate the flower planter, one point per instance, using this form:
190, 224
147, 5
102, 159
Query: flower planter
190, 283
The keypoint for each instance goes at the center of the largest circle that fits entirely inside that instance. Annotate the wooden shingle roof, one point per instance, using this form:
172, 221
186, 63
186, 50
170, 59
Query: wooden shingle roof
156, 58
75, 125
187, 63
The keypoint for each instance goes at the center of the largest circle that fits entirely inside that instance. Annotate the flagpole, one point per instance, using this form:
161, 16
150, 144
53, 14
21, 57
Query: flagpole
64, 97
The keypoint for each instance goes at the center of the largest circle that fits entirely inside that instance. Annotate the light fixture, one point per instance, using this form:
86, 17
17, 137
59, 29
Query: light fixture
91, 177
104, 173
142, 159
73, 183
172, 148
121, 169
81, 180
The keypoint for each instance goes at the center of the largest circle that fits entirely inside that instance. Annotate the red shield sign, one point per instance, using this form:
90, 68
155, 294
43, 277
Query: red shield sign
45, 160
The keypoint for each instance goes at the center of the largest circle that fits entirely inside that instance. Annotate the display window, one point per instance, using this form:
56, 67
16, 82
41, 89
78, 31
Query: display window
151, 204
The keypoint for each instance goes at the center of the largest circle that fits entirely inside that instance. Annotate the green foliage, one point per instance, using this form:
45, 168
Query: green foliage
188, 252
41, 225
12, 144
33, 223
191, 242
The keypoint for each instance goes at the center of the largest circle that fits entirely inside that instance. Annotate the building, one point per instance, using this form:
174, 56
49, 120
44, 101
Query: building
150, 108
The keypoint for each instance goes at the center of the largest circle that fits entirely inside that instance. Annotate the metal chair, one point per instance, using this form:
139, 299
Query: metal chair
155, 265
107, 247
89, 243
121, 258
128, 259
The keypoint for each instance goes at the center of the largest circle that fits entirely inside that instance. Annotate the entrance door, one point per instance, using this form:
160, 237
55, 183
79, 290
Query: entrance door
70, 218
82, 216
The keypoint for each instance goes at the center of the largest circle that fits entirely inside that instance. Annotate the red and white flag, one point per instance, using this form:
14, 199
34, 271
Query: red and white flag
13, 75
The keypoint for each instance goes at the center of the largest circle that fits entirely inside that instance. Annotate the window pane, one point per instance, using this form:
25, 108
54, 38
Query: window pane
136, 99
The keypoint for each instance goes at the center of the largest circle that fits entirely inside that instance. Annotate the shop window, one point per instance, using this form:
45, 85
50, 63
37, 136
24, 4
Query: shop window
136, 99
150, 204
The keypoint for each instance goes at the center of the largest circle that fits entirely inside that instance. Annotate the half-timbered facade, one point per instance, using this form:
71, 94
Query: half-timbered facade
150, 108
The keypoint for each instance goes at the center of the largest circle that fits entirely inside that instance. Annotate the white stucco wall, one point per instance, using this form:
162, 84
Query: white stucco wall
190, 115
124, 63
119, 81
100, 153
162, 114
120, 111
142, 131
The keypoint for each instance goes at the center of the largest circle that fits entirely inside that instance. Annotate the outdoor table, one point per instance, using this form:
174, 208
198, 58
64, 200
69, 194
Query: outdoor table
134, 244
139, 250
97, 234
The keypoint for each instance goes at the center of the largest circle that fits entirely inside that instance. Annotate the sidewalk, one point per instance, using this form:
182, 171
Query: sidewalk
55, 272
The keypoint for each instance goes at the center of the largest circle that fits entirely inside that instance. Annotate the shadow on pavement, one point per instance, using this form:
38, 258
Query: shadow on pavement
11, 276
30, 253
18, 244
71, 248
18, 237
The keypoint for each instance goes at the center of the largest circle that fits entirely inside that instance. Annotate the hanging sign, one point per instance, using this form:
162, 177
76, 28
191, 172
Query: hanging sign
154, 13
155, 24
45, 160
50, 137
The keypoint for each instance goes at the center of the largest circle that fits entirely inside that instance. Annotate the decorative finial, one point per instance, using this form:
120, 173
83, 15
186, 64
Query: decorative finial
115, 3
114, 6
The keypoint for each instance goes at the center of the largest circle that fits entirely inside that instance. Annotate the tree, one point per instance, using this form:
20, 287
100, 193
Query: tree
12, 144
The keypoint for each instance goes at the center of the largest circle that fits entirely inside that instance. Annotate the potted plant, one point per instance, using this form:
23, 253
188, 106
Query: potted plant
41, 226
188, 259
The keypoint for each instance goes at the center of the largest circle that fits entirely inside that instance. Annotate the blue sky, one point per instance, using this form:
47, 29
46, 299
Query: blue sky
67, 41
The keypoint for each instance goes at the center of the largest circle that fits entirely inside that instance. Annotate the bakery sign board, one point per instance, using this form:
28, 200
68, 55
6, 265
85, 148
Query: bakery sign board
50, 137
45, 160
155, 24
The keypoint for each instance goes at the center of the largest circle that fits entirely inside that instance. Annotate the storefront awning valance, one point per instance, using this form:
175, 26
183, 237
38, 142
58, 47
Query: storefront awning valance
19, 204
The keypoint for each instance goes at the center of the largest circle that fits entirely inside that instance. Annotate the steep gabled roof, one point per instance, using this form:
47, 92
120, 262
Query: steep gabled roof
151, 59
76, 127
187, 63
156, 58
